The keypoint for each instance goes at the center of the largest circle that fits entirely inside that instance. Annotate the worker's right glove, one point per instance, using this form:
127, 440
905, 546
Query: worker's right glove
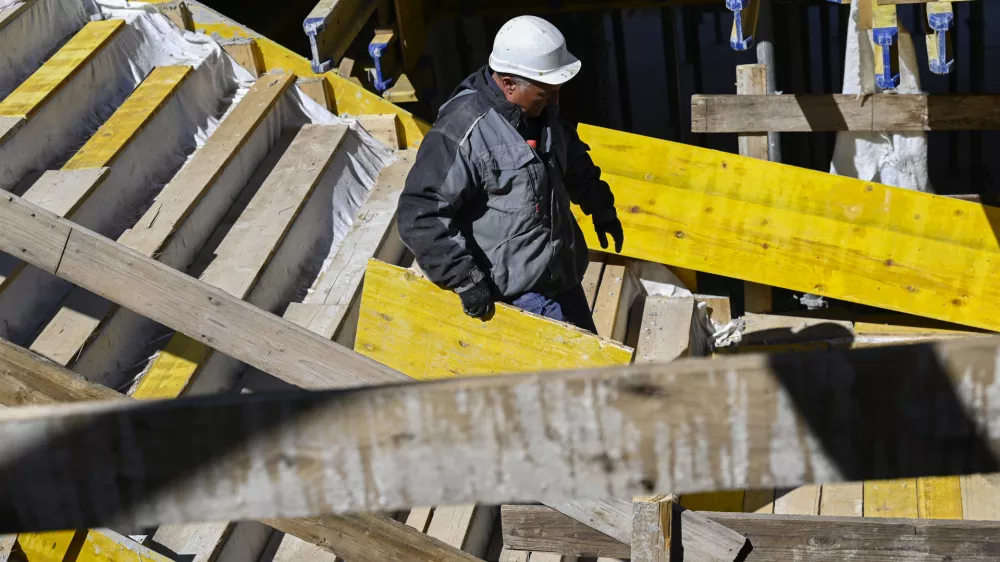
477, 299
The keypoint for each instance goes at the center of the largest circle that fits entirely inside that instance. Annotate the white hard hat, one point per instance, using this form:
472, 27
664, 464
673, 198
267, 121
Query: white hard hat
533, 48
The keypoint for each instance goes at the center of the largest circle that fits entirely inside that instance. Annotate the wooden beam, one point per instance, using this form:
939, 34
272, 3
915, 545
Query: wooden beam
410, 325
9, 125
177, 301
618, 291
249, 248
202, 190
651, 527
775, 537
385, 128
316, 89
197, 454
178, 13
246, 53
28, 379
31, 95
921, 254
843, 112
332, 26
129, 120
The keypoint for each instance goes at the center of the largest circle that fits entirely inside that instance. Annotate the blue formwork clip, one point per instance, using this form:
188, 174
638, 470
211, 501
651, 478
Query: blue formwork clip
377, 49
313, 27
941, 19
887, 71
744, 23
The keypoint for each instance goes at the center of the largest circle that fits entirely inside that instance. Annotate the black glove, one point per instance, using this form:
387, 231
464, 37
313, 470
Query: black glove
477, 300
611, 226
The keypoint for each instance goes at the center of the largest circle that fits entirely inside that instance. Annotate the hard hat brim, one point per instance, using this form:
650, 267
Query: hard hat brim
566, 72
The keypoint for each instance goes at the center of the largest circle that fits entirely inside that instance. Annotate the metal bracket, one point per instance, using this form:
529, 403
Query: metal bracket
377, 49
744, 23
941, 19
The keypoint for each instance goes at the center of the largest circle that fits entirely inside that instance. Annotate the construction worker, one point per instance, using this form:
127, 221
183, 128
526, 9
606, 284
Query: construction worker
486, 206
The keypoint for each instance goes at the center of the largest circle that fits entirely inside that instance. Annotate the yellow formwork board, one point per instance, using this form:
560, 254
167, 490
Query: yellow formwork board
891, 498
409, 324
173, 369
133, 115
95, 545
939, 497
29, 97
783, 247
348, 98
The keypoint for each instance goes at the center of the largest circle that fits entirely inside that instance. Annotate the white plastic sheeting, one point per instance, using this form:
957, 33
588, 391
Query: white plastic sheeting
23, 48
897, 159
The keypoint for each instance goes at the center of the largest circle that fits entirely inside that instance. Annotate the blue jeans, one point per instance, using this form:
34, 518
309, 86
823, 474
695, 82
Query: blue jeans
570, 306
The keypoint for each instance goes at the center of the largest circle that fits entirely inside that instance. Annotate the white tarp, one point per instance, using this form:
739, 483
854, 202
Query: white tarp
897, 159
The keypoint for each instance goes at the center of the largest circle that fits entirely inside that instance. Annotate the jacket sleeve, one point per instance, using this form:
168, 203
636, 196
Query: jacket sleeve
583, 180
441, 180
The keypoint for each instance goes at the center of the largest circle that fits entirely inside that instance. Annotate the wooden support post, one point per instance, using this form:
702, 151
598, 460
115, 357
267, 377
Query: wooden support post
315, 88
179, 13
246, 53
618, 291
751, 79
385, 128
651, 524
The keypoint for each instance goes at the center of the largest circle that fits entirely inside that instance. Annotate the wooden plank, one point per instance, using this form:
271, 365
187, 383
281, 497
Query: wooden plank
856, 406
619, 289
779, 537
316, 89
665, 333
592, 278
507, 555
751, 79
178, 12
844, 499
368, 537
464, 527
891, 498
248, 248
385, 128
410, 325
609, 517
293, 548
902, 255
332, 26
981, 497
62, 192
651, 526
175, 300
10, 13
419, 518
843, 112
939, 498
768, 329
32, 94
128, 120
373, 235
9, 126
246, 53
804, 500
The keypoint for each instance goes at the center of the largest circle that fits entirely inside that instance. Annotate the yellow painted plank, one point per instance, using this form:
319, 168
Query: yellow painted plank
174, 369
891, 498
418, 329
29, 97
45, 547
348, 98
785, 247
133, 115
107, 546
939, 497
731, 501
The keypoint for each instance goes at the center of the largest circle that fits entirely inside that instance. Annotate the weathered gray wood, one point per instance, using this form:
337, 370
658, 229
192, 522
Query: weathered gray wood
843, 112
203, 312
651, 528
63, 191
611, 517
28, 379
9, 126
704, 540
617, 432
776, 537
763, 329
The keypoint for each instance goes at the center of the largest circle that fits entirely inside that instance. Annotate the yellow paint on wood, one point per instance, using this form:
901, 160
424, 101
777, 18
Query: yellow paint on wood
939, 497
45, 547
348, 98
174, 368
418, 329
767, 224
891, 498
731, 501
29, 97
137, 111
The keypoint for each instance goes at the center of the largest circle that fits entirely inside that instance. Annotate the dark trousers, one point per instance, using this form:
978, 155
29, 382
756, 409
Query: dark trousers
571, 307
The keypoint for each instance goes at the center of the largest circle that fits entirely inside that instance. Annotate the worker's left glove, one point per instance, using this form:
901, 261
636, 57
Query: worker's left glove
611, 226
477, 298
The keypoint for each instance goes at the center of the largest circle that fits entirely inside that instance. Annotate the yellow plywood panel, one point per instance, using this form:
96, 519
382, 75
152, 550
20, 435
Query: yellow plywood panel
409, 324
349, 98
891, 498
172, 370
787, 248
45, 547
731, 501
137, 111
939, 497
802, 191
107, 546
29, 97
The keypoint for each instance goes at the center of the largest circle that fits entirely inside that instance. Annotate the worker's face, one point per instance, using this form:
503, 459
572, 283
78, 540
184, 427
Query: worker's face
532, 97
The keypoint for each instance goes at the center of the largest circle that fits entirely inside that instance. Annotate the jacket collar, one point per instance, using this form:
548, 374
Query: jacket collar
479, 82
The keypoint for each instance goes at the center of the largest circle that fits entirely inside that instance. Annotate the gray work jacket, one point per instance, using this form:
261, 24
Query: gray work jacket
480, 202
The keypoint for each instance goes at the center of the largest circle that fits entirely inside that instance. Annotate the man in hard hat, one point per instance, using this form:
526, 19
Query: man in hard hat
486, 206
